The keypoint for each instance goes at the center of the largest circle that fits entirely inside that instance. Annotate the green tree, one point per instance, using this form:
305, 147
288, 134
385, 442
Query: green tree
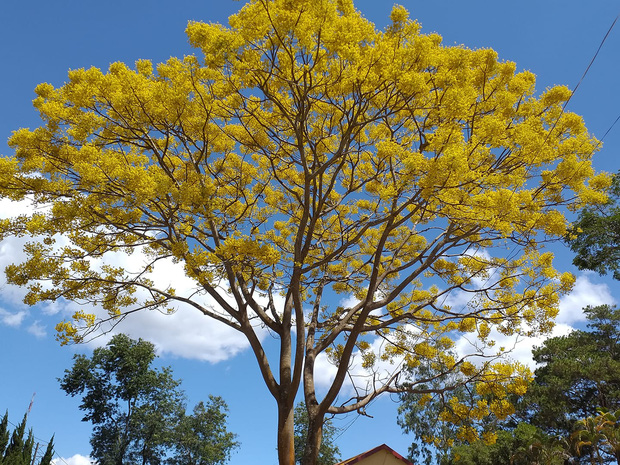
599, 435
305, 157
4, 435
132, 406
595, 236
577, 374
201, 438
538, 448
441, 419
136, 409
329, 453
420, 414
523, 445
19, 451
48, 454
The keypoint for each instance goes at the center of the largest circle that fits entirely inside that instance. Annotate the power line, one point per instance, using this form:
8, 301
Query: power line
586, 72
33, 436
591, 61
60, 458
581, 80
610, 128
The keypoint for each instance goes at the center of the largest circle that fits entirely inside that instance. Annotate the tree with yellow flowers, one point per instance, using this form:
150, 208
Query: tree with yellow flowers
302, 160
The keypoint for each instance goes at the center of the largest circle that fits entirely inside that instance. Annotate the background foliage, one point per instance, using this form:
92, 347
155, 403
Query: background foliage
138, 412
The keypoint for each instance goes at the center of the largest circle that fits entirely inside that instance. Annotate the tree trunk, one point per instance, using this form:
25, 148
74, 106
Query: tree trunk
313, 440
286, 433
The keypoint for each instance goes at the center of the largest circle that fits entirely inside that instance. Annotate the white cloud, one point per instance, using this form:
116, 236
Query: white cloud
516, 348
359, 377
51, 308
520, 348
349, 301
11, 251
77, 459
583, 294
10, 209
523, 347
187, 333
12, 319
324, 371
460, 299
37, 330
457, 299
483, 256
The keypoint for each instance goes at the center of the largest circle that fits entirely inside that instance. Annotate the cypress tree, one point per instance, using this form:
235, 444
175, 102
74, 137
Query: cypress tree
27, 449
4, 435
14, 454
49, 452
18, 451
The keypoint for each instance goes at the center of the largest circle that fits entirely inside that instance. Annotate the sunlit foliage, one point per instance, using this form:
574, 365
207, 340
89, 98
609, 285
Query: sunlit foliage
302, 158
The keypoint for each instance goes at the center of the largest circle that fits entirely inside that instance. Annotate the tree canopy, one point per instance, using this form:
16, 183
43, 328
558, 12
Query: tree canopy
570, 410
440, 420
595, 236
578, 374
138, 412
523, 445
303, 159
202, 438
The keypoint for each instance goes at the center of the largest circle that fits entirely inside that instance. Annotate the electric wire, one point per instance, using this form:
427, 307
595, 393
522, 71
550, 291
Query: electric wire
591, 61
610, 128
43, 442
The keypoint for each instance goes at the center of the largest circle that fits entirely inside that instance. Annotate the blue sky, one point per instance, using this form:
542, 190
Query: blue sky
40, 41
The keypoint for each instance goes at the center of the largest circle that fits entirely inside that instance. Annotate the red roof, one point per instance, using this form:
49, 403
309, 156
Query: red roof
370, 452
